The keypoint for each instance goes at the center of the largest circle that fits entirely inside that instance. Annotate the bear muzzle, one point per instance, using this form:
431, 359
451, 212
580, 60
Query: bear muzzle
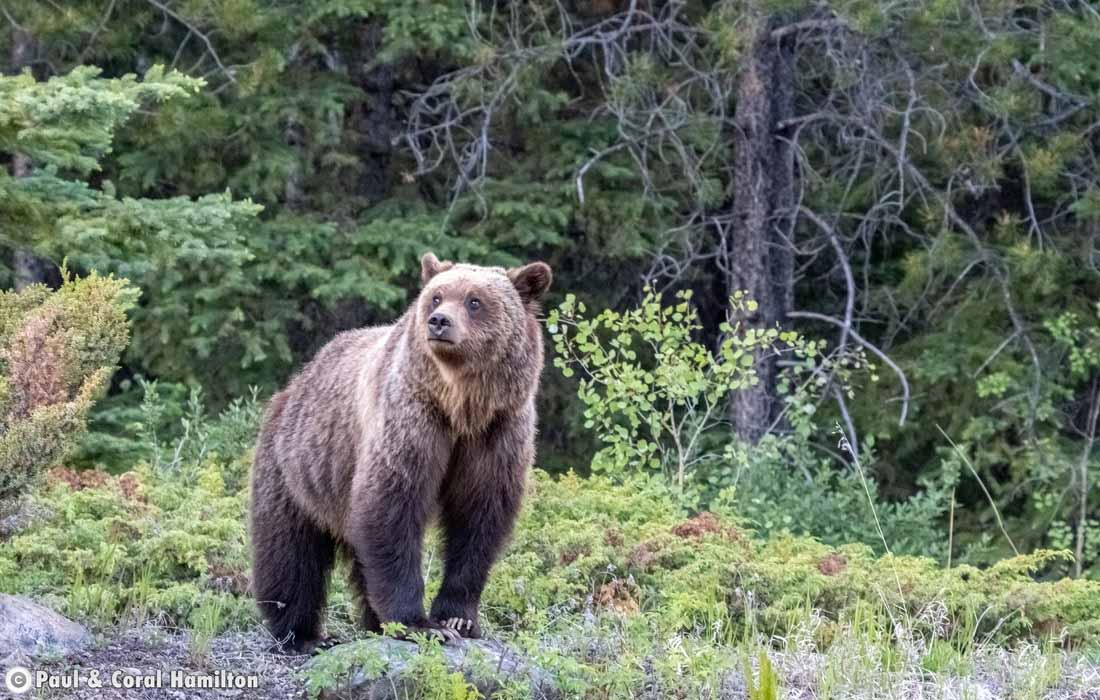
440, 328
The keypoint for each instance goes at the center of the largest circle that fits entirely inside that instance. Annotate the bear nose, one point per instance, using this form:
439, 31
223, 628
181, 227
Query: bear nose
439, 323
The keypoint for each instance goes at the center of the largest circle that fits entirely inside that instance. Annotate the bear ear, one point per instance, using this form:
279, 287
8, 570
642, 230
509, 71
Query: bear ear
430, 266
531, 281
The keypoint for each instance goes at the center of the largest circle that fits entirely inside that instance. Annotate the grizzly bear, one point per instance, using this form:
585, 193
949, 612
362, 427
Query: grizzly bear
391, 428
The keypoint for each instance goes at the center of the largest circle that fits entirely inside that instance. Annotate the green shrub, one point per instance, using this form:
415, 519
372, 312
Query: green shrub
652, 392
57, 353
785, 484
657, 400
165, 541
630, 549
165, 424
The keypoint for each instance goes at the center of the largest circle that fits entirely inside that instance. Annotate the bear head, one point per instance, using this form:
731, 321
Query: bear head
469, 314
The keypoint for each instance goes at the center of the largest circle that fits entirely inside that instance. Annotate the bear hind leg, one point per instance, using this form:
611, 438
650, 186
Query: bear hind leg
291, 562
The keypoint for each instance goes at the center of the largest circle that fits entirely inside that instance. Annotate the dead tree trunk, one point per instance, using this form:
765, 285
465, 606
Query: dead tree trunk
758, 255
27, 268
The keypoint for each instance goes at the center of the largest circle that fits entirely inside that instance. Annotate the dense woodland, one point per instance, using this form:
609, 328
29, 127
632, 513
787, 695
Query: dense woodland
908, 192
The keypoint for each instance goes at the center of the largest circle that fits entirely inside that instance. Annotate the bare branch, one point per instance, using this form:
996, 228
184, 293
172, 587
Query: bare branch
842, 259
95, 34
870, 346
853, 438
195, 30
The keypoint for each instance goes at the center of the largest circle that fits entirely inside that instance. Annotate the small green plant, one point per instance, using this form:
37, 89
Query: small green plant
1039, 669
337, 667
430, 678
1078, 529
765, 685
165, 424
206, 622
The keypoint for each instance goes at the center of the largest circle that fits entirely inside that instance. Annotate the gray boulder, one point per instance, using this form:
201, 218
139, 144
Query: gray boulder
28, 629
382, 668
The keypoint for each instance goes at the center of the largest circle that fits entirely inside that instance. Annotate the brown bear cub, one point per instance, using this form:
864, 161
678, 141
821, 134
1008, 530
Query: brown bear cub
388, 428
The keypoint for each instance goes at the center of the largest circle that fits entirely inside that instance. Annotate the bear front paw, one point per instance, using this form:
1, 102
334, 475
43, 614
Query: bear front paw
445, 634
431, 629
464, 626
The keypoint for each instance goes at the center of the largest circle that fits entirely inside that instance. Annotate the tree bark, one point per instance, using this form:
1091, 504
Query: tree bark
759, 259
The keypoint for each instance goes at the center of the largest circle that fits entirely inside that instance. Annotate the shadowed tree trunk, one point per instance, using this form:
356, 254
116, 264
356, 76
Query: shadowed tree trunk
758, 255
372, 118
27, 268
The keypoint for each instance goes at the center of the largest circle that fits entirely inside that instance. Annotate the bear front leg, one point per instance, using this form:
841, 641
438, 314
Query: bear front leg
480, 500
388, 524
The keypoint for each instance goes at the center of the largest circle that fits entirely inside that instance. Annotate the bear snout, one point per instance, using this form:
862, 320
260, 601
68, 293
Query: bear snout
439, 327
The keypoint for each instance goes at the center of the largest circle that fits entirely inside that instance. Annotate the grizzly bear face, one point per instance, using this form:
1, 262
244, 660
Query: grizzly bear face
468, 314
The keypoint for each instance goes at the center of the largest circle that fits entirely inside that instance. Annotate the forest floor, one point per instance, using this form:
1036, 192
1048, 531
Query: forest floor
991, 674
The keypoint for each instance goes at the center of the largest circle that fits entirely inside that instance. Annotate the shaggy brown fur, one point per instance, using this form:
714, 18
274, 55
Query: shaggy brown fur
388, 428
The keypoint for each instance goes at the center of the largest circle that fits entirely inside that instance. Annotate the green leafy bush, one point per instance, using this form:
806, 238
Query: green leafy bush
657, 400
653, 393
788, 485
57, 353
165, 424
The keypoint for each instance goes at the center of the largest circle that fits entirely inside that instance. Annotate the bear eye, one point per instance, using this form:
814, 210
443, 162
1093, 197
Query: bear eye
436, 300
474, 304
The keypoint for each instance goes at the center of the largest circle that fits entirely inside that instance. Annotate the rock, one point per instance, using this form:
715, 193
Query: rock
31, 630
384, 665
14, 518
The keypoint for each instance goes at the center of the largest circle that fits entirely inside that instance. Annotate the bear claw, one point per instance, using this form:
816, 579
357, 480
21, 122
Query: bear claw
459, 624
447, 634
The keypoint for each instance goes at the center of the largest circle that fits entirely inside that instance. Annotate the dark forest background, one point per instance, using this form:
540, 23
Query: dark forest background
915, 183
